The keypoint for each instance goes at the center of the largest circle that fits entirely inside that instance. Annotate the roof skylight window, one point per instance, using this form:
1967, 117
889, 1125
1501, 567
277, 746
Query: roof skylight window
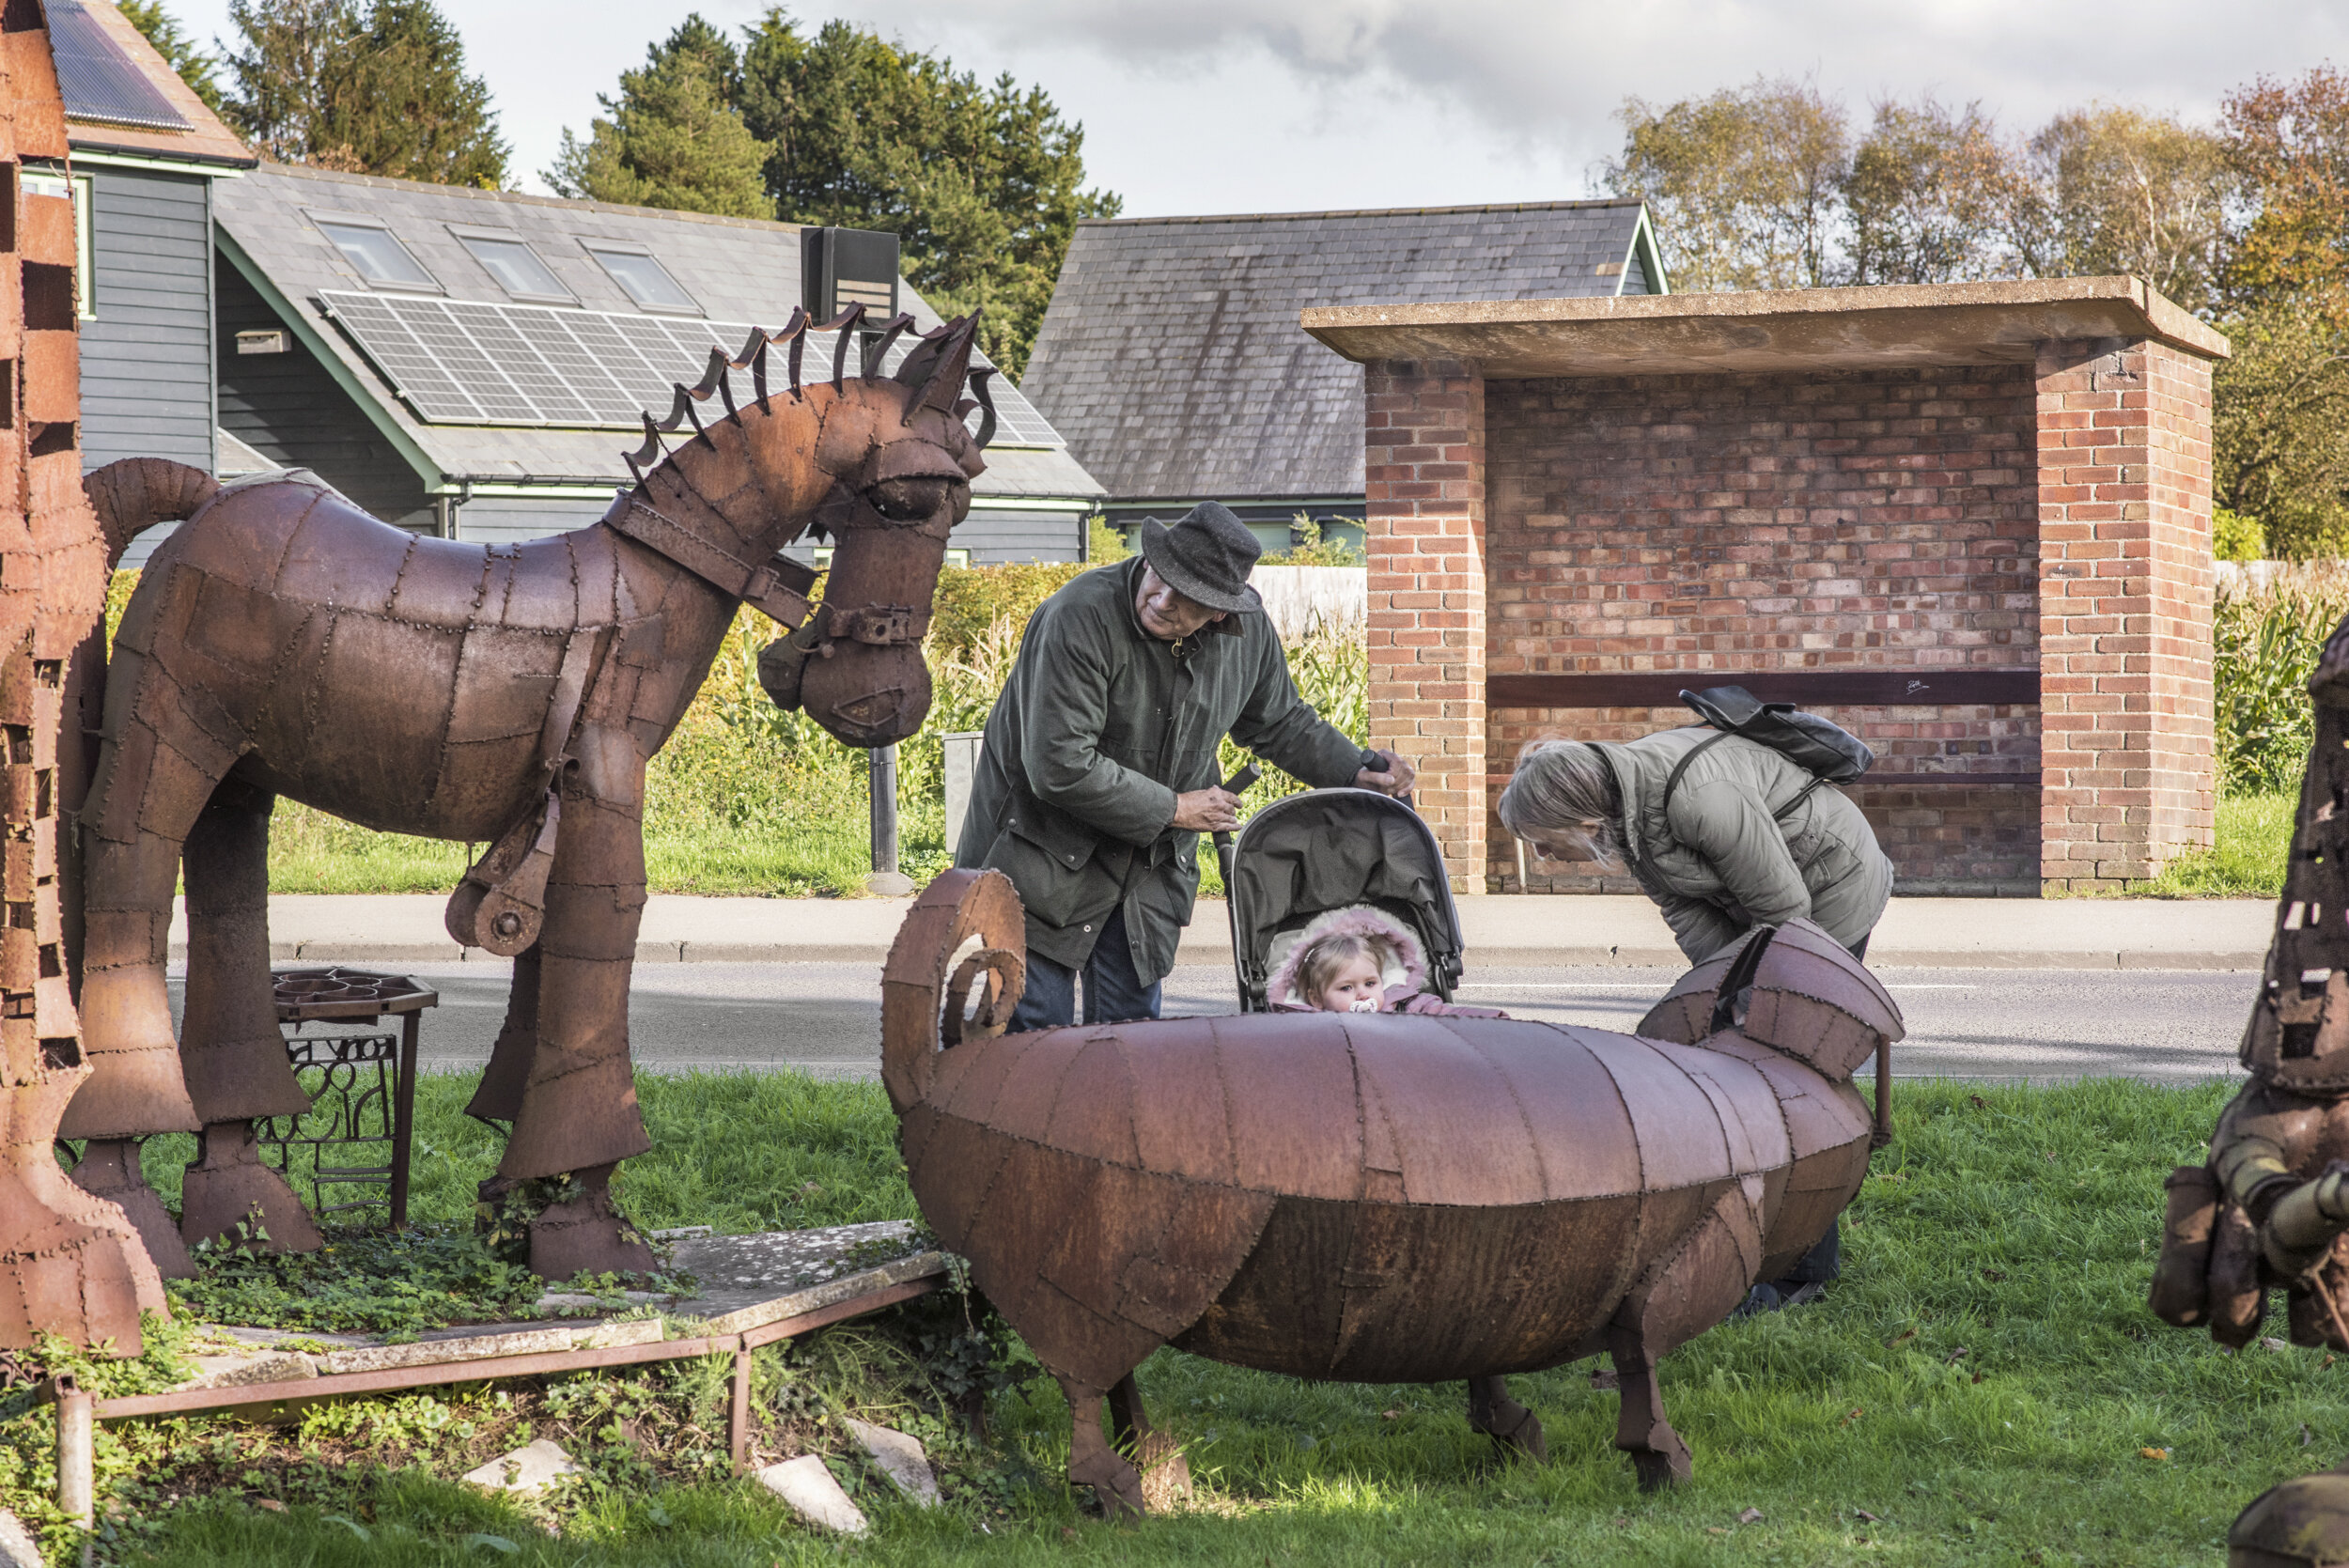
515, 265
642, 277
378, 254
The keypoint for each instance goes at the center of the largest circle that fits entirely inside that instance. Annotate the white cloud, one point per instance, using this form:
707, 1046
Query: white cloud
1233, 105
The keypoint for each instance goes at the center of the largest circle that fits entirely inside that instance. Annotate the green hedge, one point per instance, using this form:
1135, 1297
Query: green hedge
2264, 646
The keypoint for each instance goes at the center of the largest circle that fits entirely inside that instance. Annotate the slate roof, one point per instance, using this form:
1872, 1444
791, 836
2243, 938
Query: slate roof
737, 269
205, 141
1171, 359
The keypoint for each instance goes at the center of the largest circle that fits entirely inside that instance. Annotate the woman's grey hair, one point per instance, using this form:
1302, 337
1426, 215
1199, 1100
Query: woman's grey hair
1560, 786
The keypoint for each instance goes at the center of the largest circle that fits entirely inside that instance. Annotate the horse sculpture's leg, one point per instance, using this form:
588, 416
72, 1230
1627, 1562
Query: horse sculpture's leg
1512, 1427
577, 1114
231, 1046
1092, 1462
1165, 1474
499, 1096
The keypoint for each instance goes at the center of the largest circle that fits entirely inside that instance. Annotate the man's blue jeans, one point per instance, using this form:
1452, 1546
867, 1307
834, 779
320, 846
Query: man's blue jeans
1114, 992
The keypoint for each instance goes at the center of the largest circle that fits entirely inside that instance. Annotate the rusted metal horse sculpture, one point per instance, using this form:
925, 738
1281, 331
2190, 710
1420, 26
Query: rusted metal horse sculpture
1373, 1198
70, 1263
282, 642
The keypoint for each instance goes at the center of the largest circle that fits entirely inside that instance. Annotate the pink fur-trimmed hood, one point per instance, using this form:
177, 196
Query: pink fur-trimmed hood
1401, 960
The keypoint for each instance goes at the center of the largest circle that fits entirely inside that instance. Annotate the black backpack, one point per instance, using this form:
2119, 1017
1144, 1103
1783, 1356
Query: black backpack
1828, 751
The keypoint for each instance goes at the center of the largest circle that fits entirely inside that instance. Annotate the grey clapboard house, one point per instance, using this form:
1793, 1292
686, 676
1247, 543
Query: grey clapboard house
1172, 360
147, 157
475, 363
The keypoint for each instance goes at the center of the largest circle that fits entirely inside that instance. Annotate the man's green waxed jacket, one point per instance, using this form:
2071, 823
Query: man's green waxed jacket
1097, 730
1721, 860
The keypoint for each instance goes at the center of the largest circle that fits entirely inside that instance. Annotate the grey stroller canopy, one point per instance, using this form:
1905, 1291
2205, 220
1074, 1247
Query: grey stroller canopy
1326, 849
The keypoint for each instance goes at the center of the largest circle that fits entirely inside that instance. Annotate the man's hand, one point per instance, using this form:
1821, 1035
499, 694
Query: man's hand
1206, 811
1396, 780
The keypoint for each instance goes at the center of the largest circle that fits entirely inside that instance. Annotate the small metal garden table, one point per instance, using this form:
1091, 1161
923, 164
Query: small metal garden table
371, 1077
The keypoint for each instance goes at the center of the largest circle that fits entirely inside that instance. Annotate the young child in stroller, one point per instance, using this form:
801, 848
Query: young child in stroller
1359, 959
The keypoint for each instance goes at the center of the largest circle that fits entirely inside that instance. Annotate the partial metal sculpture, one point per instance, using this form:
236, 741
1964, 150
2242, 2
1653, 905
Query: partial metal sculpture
2269, 1209
70, 1263
283, 642
1379, 1197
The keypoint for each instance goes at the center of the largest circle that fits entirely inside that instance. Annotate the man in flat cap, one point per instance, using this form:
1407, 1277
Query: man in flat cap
1098, 771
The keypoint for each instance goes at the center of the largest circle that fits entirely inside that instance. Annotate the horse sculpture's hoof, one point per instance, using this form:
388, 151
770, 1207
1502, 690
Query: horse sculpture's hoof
109, 1169
586, 1234
228, 1185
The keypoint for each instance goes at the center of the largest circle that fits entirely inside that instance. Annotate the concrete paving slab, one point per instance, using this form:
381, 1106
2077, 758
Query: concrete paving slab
527, 1471
1501, 929
806, 1483
900, 1458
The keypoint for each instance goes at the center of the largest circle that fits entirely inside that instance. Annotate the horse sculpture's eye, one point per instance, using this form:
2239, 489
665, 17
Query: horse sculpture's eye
909, 500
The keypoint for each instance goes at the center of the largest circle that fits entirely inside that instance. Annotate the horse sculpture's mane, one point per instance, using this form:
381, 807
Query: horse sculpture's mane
794, 334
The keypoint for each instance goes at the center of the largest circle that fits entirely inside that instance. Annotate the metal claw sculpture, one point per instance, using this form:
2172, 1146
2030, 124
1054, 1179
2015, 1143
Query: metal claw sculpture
70, 1263
2269, 1209
282, 642
1374, 1197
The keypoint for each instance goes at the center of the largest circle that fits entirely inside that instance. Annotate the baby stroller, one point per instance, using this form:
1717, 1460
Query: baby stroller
1326, 849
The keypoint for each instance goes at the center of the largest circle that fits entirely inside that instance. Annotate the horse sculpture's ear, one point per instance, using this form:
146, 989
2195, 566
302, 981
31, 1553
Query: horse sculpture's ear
941, 365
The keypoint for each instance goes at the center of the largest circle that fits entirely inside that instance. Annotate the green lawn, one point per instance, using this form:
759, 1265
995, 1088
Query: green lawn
1986, 1382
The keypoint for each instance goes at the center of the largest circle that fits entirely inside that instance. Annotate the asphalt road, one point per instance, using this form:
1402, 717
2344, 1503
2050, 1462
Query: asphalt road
2040, 1025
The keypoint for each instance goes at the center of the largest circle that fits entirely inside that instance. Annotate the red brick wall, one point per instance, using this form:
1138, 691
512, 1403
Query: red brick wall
2123, 457
1424, 473
1811, 520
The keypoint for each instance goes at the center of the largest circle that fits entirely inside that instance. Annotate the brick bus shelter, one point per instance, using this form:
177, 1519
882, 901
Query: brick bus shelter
1969, 522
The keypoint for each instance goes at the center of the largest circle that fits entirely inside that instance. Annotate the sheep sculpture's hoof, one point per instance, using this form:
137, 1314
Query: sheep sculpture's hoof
1661, 1468
1515, 1430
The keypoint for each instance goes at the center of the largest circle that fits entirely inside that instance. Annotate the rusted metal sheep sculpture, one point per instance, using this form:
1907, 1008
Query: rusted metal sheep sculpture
1372, 1198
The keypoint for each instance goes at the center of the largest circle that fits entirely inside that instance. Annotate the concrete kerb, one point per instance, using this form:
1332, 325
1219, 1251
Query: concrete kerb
1501, 932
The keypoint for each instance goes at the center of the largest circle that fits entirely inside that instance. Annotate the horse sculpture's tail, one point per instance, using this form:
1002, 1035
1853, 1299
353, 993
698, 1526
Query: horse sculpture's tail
134, 495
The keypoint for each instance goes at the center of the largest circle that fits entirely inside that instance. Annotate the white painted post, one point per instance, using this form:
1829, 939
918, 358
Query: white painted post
962, 766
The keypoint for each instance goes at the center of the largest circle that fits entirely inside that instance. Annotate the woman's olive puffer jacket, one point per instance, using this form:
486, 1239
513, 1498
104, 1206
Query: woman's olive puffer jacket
1720, 859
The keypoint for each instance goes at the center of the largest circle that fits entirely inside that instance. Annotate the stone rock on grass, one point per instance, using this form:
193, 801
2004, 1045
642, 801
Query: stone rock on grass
901, 1460
807, 1485
18, 1549
526, 1471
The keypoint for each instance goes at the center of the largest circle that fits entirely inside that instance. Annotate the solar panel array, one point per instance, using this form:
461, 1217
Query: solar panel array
98, 81
459, 361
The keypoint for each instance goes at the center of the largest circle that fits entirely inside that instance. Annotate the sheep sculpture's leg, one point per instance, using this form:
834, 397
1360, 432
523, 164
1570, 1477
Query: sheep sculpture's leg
1165, 1474
1512, 1427
1093, 1462
231, 1049
1657, 1454
498, 1097
1680, 1297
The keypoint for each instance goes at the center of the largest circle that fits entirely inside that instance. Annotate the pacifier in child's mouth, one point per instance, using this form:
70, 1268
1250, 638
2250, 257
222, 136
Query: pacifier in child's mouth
1364, 1004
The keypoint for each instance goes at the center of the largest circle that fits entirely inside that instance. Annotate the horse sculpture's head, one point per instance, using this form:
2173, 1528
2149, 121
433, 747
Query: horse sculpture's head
900, 461
881, 465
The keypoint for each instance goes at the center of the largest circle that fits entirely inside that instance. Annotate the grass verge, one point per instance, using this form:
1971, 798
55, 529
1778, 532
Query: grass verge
2253, 840
1984, 1386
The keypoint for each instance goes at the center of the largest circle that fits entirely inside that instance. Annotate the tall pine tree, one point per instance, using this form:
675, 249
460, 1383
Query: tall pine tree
162, 29
673, 138
983, 184
379, 89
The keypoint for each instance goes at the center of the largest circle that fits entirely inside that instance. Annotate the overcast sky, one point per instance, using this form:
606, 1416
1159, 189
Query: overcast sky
1283, 106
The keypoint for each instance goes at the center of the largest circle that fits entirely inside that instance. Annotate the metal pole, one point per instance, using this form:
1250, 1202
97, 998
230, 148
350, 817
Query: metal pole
886, 879
739, 1412
77, 1455
404, 1119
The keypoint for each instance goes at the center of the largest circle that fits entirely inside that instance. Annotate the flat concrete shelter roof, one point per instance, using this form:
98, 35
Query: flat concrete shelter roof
1800, 329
